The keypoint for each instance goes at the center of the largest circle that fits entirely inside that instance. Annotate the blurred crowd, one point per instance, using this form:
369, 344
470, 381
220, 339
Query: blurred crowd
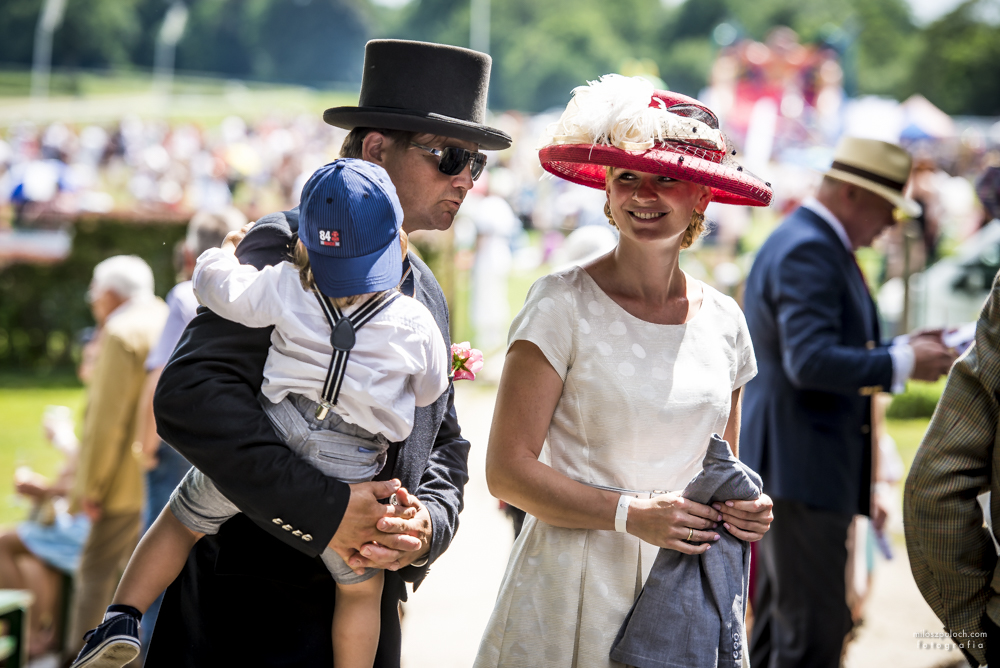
155, 169
151, 166
145, 167
84, 524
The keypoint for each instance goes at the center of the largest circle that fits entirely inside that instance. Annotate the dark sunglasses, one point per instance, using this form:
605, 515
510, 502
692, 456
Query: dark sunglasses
452, 160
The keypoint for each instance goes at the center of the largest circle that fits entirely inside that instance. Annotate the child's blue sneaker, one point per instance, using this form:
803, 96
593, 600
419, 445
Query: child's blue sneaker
112, 644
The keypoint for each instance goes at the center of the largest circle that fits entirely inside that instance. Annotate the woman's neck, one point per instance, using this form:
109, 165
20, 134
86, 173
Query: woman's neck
646, 280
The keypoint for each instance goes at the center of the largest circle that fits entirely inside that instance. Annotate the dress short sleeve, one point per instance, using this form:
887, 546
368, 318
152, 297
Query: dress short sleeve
548, 319
745, 359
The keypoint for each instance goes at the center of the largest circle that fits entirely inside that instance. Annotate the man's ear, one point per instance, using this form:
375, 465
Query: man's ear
374, 148
852, 192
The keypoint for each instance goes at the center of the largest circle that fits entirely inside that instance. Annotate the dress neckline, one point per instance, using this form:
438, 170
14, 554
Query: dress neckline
607, 297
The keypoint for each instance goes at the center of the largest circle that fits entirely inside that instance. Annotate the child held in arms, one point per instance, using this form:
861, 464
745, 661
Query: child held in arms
350, 359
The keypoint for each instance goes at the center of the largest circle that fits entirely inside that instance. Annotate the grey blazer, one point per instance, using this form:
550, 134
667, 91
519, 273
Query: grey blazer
690, 612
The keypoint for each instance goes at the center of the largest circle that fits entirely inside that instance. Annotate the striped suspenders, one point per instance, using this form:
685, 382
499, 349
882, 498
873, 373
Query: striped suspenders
342, 339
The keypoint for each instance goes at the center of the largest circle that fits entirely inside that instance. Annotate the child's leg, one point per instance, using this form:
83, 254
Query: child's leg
158, 559
356, 623
156, 562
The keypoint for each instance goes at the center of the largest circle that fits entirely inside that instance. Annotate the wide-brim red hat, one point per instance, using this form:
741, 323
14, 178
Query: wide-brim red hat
657, 132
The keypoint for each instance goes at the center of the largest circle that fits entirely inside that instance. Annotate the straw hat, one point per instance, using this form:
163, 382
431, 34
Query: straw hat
876, 166
624, 122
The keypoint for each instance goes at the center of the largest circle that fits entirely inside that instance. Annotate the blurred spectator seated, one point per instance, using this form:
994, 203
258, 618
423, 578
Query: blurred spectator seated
42, 552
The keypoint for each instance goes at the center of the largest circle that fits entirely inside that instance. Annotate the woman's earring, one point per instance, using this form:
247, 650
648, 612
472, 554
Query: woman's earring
607, 212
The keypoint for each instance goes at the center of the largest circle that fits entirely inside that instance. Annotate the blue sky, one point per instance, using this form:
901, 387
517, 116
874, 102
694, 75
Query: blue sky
925, 11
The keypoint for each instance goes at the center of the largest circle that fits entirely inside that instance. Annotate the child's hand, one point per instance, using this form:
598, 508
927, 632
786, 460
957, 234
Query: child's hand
233, 239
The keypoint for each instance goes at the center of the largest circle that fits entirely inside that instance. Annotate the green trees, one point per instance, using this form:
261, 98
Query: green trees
958, 68
94, 33
541, 50
304, 41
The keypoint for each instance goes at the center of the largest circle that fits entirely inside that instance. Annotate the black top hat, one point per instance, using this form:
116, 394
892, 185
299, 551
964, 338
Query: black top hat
423, 87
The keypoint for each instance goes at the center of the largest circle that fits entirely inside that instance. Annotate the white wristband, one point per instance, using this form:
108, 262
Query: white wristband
621, 512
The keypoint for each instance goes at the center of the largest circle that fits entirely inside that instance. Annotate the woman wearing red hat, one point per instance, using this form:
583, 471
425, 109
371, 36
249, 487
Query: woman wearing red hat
616, 376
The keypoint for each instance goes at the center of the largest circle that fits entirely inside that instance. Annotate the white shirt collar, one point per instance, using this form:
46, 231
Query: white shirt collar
820, 210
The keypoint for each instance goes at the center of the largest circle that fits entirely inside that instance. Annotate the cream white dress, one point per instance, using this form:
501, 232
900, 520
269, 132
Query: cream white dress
639, 403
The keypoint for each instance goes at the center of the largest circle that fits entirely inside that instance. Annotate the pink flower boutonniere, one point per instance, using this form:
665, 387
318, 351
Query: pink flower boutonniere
466, 361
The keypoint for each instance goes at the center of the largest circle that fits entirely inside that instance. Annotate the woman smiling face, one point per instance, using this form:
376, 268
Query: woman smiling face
650, 207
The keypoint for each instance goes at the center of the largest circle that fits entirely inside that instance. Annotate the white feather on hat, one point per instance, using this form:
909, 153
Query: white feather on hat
615, 110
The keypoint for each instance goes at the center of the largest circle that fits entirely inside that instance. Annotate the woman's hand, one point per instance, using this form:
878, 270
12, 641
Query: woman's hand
747, 520
667, 520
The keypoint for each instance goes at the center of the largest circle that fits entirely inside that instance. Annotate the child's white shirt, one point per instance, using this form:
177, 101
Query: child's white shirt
398, 362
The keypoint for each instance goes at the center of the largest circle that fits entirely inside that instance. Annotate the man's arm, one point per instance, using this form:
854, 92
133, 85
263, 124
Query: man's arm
206, 407
429, 514
951, 554
442, 487
439, 493
108, 416
807, 291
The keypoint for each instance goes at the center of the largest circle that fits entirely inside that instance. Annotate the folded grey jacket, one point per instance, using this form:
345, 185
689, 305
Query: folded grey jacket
690, 612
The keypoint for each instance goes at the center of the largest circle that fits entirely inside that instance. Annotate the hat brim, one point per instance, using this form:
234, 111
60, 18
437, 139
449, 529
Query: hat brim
585, 164
910, 207
345, 277
489, 139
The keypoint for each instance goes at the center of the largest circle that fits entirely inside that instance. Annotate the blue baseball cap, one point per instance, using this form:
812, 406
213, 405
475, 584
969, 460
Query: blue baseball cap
349, 220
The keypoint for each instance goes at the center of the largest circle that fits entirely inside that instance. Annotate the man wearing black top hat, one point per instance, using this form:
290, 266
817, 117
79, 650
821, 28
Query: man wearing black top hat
257, 593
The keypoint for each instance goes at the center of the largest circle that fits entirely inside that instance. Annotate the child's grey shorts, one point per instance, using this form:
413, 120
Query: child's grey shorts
337, 448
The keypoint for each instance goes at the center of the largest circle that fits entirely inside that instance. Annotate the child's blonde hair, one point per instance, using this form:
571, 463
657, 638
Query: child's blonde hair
300, 258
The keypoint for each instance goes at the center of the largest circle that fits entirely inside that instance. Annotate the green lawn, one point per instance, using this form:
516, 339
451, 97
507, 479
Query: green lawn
21, 440
100, 97
908, 434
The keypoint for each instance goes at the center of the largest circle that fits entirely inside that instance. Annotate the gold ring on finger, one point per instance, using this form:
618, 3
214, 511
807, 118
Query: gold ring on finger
690, 534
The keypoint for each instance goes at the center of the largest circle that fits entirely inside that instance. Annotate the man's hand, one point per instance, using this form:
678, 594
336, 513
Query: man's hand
880, 505
931, 358
91, 509
32, 489
233, 239
31, 484
747, 520
408, 526
358, 530
932, 333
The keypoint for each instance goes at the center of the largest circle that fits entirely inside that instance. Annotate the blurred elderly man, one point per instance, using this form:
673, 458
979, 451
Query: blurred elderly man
165, 467
807, 426
109, 485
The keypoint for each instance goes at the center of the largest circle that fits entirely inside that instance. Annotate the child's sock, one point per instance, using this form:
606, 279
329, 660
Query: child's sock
114, 610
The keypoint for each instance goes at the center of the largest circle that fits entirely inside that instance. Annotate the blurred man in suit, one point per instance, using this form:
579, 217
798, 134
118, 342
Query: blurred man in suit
807, 415
109, 485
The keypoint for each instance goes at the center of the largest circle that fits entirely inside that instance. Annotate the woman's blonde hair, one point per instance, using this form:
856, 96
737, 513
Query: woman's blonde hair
300, 258
694, 229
